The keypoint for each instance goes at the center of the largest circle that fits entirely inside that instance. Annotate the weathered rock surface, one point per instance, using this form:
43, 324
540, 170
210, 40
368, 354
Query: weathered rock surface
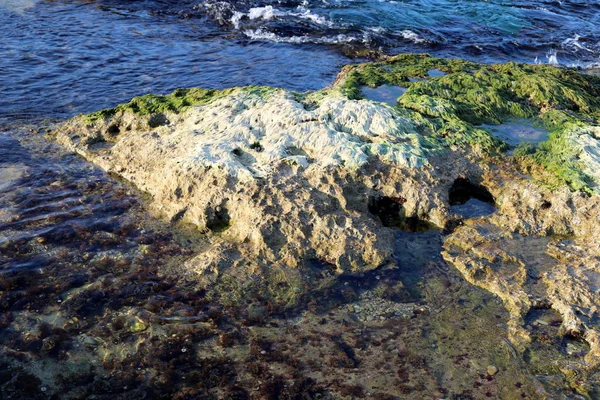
281, 181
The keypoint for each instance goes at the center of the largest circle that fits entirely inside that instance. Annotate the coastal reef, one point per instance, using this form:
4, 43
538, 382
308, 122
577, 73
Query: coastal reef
295, 191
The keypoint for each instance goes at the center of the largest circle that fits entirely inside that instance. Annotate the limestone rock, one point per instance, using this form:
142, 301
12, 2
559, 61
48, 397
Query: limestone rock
275, 183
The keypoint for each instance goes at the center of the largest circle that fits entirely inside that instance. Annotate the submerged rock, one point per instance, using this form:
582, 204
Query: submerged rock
280, 179
533, 272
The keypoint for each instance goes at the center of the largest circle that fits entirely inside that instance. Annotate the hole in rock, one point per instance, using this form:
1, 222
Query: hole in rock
217, 219
178, 193
470, 200
113, 129
179, 215
256, 146
451, 226
391, 213
157, 120
575, 346
545, 205
384, 93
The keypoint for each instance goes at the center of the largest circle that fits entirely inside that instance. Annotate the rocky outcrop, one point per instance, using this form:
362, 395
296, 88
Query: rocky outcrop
277, 182
532, 272
282, 181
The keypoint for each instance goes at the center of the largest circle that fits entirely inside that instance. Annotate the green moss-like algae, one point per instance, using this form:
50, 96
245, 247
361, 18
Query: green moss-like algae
396, 71
175, 102
479, 93
559, 158
452, 106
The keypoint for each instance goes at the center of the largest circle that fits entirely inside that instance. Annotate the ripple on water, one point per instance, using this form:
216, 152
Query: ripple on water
157, 46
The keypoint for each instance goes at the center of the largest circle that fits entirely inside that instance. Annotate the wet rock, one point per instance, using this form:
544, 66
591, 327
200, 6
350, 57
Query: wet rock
522, 269
275, 205
136, 325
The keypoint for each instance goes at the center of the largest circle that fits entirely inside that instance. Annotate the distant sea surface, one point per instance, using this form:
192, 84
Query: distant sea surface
59, 58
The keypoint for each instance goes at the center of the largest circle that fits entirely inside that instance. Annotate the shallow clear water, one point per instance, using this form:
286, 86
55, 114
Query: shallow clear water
517, 131
384, 93
473, 208
90, 306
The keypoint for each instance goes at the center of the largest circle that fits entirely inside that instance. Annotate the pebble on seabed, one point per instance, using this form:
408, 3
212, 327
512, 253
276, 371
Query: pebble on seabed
492, 370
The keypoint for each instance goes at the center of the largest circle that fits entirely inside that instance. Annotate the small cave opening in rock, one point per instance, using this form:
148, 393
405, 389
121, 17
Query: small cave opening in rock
470, 200
113, 130
218, 219
157, 120
392, 214
463, 190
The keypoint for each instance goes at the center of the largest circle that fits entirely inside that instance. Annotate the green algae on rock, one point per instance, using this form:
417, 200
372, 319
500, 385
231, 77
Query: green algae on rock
175, 102
473, 94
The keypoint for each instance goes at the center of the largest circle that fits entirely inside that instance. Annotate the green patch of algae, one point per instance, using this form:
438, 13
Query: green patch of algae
470, 94
176, 102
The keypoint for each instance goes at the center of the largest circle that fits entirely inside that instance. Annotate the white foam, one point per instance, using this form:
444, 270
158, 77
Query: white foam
261, 34
552, 57
236, 18
574, 42
266, 13
377, 29
17, 6
305, 13
269, 12
412, 36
